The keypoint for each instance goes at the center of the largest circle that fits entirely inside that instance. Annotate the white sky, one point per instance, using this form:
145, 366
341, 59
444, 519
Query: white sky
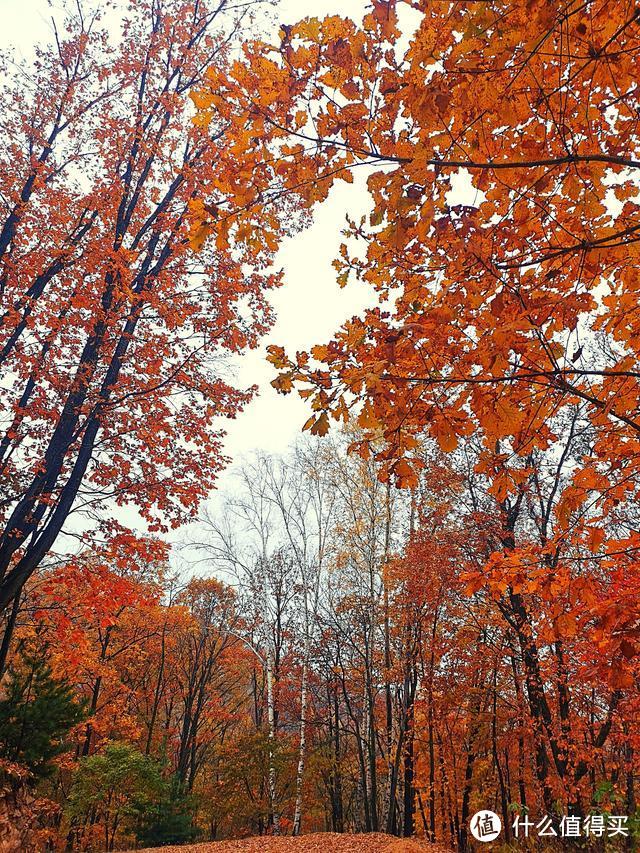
310, 307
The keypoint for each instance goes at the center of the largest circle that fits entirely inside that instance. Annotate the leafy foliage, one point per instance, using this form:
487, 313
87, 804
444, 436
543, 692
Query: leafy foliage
169, 820
118, 788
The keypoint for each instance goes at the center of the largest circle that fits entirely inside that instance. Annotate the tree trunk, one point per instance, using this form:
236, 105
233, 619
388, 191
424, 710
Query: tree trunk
409, 790
8, 633
271, 721
297, 814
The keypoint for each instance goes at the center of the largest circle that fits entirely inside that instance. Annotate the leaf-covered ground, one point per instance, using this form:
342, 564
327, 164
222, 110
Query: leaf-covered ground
321, 842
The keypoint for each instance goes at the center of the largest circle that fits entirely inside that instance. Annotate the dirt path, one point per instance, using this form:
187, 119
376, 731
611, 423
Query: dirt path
321, 842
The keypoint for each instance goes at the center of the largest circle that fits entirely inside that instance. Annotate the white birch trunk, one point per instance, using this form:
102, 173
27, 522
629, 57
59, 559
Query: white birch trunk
272, 743
297, 815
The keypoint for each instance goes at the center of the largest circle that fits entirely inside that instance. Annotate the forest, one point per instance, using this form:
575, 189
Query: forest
422, 620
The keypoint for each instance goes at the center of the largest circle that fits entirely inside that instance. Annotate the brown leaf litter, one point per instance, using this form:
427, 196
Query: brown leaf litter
319, 842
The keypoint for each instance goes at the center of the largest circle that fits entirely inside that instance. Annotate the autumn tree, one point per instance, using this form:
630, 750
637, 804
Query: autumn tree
513, 302
95, 614
112, 329
203, 691
275, 542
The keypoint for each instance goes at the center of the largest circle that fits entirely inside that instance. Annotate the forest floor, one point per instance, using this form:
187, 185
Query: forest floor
320, 842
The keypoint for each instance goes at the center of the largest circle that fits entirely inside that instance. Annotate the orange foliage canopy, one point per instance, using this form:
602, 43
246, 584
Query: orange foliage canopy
495, 309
